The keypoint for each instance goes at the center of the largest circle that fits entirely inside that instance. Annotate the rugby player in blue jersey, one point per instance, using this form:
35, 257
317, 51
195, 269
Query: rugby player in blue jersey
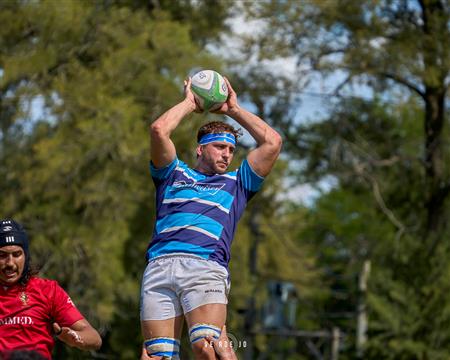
197, 213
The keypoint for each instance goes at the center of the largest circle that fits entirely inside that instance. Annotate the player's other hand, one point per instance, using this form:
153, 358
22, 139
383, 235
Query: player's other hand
145, 356
231, 106
67, 335
222, 346
189, 96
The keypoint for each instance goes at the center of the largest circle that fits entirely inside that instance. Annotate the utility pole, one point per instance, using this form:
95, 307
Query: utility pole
335, 341
362, 322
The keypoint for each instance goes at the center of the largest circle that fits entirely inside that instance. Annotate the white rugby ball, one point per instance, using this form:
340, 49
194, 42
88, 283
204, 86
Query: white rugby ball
210, 89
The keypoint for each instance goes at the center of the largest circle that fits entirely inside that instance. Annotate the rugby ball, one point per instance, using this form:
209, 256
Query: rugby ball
210, 89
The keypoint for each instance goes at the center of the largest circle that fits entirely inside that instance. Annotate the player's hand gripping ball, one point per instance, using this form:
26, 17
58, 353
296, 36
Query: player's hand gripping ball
210, 90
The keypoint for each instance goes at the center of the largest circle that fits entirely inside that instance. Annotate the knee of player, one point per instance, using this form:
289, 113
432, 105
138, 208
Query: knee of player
197, 335
168, 348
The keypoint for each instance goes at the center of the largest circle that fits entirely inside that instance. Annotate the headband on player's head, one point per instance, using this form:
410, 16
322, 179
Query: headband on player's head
209, 138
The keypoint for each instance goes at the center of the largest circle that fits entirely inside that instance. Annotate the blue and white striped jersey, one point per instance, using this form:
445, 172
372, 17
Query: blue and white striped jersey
197, 213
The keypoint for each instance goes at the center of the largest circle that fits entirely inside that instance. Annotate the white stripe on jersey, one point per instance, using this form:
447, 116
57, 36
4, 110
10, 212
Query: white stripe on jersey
201, 201
190, 227
232, 177
180, 169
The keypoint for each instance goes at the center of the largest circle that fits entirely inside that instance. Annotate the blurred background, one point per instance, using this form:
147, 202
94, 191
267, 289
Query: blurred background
345, 254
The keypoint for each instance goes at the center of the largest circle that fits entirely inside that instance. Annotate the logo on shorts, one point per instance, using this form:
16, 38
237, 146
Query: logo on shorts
213, 291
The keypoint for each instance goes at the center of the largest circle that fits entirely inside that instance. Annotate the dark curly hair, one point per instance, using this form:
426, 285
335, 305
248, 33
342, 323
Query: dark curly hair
215, 127
28, 272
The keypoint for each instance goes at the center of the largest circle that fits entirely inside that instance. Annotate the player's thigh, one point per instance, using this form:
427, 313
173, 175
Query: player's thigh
206, 320
214, 314
170, 328
201, 282
159, 300
162, 337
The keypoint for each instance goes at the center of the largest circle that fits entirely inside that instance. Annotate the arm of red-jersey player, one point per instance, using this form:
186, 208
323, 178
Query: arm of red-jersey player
80, 335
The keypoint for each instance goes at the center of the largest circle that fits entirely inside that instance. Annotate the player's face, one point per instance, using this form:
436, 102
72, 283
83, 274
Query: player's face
12, 263
214, 158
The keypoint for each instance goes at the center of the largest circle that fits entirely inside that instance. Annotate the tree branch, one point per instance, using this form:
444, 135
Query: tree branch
404, 82
342, 84
359, 169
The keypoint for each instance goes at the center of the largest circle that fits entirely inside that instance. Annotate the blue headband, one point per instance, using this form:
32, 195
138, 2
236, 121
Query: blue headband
209, 138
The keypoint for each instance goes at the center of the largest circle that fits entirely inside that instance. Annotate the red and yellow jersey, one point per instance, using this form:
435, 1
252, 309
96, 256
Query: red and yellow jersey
28, 312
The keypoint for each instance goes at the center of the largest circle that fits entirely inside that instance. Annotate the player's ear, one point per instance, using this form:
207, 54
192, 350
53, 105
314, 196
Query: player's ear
199, 150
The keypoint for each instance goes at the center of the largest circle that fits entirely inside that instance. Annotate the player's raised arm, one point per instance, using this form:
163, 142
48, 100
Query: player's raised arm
162, 149
268, 140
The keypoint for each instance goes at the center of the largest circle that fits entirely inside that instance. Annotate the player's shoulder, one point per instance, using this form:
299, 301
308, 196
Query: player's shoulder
231, 175
180, 164
236, 172
45, 285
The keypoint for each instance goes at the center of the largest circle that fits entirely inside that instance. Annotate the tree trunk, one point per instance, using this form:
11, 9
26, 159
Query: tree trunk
436, 185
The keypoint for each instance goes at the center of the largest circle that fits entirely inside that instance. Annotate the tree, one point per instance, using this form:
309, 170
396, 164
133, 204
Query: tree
79, 83
400, 43
397, 51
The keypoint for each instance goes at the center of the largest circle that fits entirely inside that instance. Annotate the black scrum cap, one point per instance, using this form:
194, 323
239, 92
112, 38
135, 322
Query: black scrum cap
12, 233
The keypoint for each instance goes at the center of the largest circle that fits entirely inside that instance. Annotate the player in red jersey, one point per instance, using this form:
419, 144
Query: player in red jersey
32, 309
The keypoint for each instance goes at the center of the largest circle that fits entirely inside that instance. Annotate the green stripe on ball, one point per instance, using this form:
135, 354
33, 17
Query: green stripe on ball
211, 98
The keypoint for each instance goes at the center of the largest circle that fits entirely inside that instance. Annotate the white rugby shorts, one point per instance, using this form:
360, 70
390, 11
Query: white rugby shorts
178, 283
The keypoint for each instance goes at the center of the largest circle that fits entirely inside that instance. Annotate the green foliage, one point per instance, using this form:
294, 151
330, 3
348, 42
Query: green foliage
376, 212
79, 84
75, 171
385, 159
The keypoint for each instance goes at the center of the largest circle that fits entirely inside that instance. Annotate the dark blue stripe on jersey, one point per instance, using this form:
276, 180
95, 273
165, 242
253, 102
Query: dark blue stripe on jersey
196, 222
213, 195
221, 256
196, 208
188, 236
